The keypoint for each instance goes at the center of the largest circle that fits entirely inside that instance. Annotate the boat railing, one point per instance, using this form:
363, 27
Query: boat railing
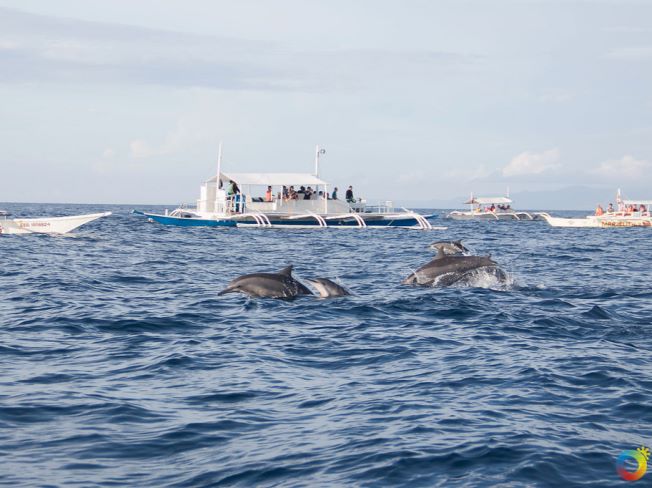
621, 213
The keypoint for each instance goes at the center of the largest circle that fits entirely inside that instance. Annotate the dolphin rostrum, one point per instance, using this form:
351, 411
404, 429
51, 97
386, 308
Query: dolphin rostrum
268, 285
328, 288
446, 270
450, 248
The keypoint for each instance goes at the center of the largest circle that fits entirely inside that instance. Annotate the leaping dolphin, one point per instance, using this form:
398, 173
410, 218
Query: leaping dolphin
450, 248
268, 285
446, 270
328, 288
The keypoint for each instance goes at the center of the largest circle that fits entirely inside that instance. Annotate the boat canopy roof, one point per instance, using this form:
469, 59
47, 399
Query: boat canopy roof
272, 179
487, 200
637, 202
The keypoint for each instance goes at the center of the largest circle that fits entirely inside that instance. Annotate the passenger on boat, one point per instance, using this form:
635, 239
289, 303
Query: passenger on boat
334, 196
610, 208
349, 195
599, 210
308, 194
234, 195
268, 194
642, 208
286, 193
232, 188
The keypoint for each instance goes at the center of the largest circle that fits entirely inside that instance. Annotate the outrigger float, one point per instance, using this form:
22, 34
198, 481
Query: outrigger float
272, 209
490, 208
45, 225
629, 213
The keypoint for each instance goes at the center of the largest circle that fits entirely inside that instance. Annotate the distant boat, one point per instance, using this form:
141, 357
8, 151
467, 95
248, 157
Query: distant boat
45, 225
628, 213
490, 208
283, 200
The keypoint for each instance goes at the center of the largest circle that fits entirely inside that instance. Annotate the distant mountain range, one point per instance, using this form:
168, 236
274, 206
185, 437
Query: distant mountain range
568, 198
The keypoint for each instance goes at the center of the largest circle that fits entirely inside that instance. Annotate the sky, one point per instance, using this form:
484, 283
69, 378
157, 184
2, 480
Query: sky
416, 101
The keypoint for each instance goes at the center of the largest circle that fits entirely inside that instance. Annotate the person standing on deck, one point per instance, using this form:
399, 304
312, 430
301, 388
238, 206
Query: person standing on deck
334, 196
349, 195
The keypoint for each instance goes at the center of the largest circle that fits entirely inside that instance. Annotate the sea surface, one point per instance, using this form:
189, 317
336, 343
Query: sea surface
120, 365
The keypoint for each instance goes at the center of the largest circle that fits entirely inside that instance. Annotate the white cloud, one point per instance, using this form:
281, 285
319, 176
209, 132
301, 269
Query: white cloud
188, 132
634, 53
626, 167
466, 173
139, 149
531, 163
411, 177
556, 97
56, 49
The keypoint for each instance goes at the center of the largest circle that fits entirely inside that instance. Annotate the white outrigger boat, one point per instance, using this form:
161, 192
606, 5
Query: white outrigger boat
45, 225
263, 200
629, 213
490, 208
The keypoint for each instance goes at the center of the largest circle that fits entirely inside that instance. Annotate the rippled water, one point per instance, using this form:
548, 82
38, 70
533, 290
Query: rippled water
119, 365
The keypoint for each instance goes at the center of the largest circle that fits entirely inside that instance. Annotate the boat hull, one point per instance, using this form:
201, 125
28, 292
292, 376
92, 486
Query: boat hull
606, 221
292, 221
187, 222
48, 225
491, 216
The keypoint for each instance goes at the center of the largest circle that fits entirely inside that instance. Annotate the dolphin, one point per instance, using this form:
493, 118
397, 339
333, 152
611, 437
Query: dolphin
268, 285
446, 270
328, 288
450, 248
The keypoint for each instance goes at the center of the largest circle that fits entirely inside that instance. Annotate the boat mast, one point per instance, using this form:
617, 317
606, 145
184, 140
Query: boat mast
318, 152
219, 172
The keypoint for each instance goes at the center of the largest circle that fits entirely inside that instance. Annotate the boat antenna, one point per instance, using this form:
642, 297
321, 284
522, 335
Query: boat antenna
507, 195
318, 152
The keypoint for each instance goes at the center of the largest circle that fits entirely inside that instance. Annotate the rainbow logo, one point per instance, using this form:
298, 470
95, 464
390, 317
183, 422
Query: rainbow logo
641, 456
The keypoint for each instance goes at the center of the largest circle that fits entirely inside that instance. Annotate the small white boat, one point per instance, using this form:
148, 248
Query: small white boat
45, 225
629, 213
490, 208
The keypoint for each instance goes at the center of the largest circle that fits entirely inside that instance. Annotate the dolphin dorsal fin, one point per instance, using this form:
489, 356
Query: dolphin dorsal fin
286, 271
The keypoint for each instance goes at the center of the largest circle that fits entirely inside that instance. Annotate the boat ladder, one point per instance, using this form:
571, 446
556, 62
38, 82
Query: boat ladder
320, 220
261, 219
361, 223
422, 221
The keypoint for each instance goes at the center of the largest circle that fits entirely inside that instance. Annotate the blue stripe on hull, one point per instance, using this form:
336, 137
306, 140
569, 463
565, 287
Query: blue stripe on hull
181, 222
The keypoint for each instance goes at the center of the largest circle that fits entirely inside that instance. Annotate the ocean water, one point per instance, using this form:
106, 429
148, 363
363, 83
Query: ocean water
120, 365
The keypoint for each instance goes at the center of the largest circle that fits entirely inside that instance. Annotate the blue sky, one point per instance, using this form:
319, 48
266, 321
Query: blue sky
423, 101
